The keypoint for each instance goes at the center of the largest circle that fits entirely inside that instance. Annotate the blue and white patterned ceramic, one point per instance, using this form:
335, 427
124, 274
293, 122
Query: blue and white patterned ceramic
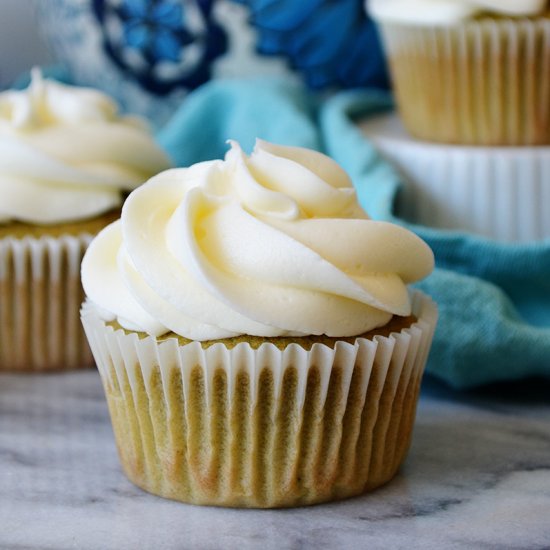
150, 53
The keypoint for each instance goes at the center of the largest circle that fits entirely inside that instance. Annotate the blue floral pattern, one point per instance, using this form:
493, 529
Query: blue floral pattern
331, 42
163, 44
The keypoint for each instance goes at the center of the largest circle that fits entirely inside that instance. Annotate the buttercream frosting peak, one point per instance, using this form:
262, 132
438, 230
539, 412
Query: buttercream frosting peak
269, 244
66, 154
47, 102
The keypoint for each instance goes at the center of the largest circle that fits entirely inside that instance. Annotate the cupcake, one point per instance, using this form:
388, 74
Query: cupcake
66, 159
470, 72
255, 336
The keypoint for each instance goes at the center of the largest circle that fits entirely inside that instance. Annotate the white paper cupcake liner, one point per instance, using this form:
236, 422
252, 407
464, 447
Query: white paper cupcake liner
483, 82
498, 192
261, 427
40, 297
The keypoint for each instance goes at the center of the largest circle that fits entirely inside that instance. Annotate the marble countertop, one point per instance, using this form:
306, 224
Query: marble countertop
477, 476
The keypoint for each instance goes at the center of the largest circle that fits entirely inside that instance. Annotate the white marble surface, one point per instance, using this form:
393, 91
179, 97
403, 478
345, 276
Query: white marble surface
477, 476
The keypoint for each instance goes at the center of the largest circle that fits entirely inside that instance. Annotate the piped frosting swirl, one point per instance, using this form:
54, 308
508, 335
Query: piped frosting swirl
66, 155
270, 244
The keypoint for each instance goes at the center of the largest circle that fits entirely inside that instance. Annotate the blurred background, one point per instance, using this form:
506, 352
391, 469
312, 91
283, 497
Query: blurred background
149, 54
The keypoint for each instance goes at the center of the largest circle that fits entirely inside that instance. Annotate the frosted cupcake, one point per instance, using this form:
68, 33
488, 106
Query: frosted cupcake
254, 333
66, 160
472, 72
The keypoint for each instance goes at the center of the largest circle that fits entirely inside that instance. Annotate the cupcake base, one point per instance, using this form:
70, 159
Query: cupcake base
41, 294
263, 427
483, 82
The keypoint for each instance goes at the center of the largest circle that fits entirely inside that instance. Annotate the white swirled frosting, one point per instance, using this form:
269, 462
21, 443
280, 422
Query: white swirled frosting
449, 12
66, 155
270, 244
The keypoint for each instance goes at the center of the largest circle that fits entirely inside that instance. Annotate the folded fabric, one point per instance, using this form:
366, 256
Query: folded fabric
494, 298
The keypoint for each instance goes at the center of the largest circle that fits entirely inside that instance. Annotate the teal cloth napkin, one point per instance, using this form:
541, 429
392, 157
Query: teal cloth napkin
494, 298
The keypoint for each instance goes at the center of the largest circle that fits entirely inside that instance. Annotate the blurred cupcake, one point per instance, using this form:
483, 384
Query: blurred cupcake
254, 333
472, 72
66, 159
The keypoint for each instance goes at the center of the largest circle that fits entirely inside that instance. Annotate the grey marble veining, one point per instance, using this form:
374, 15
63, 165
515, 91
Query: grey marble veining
477, 476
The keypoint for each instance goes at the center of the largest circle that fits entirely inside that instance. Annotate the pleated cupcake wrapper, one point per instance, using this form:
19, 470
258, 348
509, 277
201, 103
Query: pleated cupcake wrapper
498, 192
40, 298
483, 82
261, 427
